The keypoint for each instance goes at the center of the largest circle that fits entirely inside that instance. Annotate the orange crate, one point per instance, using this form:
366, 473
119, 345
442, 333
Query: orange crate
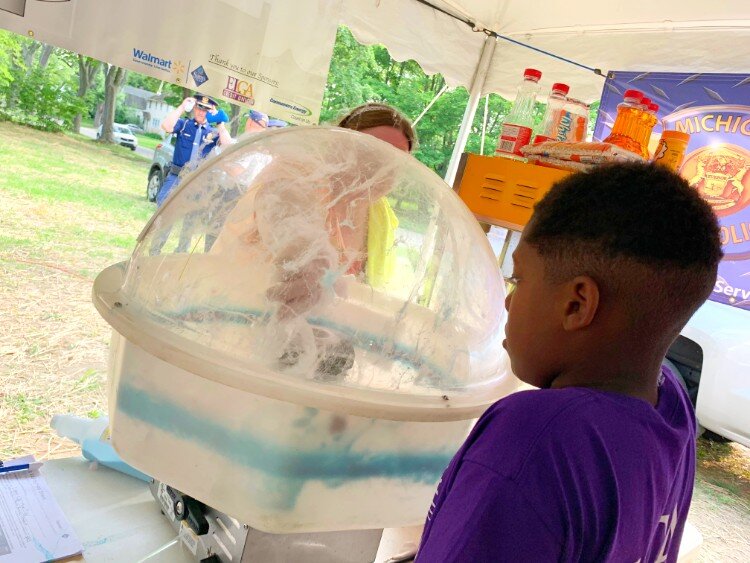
503, 192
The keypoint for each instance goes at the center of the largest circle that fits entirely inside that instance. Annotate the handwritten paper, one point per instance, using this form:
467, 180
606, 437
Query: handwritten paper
33, 528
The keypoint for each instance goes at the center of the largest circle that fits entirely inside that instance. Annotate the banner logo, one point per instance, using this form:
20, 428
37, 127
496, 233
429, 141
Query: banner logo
302, 110
720, 174
239, 90
148, 59
199, 75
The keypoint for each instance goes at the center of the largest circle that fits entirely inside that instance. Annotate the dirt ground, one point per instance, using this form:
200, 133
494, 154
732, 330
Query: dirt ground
54, 336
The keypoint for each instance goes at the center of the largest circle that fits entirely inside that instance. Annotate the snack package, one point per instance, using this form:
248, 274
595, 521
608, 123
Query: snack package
585, 153
563, 164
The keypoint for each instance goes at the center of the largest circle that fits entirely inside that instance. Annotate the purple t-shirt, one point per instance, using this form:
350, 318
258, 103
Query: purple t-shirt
568, 475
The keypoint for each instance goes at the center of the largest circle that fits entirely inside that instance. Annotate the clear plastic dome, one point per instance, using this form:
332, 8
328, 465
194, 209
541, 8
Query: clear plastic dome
325, 267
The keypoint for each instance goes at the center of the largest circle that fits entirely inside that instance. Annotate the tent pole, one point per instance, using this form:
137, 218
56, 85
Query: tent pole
484, 122
471, 109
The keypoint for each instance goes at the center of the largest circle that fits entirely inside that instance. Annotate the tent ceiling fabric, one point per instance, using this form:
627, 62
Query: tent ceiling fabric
411, 30
671, 35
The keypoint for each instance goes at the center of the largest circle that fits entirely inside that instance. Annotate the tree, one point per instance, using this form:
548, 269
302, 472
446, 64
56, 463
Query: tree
44, 56
37, 83
87, 69
10, 50
114, 78
234, 120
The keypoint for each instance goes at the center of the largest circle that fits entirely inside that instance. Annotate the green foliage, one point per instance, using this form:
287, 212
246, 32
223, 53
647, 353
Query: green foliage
361, 73
47, 99
125, 114
10, 48
34, 90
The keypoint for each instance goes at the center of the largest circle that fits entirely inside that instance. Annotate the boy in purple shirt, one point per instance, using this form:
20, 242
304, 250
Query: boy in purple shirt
598, 464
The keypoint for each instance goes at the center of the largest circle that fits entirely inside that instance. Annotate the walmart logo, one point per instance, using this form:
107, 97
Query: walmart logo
146, 58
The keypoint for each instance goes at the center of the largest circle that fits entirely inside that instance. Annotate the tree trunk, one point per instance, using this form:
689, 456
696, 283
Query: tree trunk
98, 115
77, 123
388, 71
45, 55
400, 77
113, 81
27, 57
27, 54
234, 120
87, 69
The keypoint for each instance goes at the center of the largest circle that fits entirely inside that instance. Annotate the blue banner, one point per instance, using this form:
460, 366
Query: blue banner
713, 109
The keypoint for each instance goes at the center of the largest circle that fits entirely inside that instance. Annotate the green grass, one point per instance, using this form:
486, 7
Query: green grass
89, 381
24, 408
147, 142
55, 169
70, 207
88, 199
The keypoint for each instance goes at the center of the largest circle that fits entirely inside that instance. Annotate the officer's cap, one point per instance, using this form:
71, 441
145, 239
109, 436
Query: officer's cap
205, 102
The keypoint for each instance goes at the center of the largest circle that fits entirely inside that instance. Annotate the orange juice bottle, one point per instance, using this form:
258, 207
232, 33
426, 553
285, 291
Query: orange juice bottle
628, 123
671, 149
648, 121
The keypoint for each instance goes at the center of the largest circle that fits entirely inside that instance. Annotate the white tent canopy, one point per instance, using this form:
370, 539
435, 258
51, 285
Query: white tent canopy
274, 54
671, 35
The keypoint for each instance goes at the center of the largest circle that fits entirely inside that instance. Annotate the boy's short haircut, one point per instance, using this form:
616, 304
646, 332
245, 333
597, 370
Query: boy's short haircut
640, 231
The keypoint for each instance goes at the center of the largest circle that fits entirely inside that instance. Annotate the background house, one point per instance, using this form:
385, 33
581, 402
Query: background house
149, 106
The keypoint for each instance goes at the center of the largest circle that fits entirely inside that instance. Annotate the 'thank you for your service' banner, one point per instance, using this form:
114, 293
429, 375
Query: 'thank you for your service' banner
270, 55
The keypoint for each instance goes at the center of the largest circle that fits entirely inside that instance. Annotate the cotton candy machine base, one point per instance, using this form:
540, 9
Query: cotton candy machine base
214, 537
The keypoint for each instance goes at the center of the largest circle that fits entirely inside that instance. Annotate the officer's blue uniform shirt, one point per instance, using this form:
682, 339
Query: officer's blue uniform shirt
185, 130
187, 148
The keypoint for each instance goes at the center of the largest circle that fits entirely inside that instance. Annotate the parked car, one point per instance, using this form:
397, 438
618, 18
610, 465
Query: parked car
159, 167
123, 135
137, 129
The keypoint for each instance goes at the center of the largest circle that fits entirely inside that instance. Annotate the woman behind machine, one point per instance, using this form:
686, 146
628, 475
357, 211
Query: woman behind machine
387, 124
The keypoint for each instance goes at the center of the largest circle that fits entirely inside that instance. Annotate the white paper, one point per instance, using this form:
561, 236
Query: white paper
33, 528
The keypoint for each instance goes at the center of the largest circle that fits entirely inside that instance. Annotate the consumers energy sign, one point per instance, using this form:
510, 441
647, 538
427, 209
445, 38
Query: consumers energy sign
267, 55
715, 110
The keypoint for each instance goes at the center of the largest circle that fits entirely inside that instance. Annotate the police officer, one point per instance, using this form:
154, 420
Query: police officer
196, 137
257, 121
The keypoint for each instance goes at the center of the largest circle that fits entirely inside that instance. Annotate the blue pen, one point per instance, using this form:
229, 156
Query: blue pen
21, 467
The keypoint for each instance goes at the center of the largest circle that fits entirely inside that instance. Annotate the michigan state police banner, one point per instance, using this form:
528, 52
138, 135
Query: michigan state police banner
715, 110
268, 55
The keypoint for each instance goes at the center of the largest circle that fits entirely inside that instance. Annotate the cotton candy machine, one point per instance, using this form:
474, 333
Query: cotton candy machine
304, 334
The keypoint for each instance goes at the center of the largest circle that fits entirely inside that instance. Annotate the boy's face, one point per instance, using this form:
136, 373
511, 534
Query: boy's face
534, 329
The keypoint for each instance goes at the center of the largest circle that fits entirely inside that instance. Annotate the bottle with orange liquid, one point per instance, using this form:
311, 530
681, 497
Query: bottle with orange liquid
648, 120
625, 131
671, 149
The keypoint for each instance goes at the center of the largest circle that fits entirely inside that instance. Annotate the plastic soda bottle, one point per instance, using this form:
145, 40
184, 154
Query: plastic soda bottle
554, 114
627, 123
516, 131
580, 119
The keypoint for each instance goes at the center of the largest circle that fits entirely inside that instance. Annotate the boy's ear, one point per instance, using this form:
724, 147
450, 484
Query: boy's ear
582, 303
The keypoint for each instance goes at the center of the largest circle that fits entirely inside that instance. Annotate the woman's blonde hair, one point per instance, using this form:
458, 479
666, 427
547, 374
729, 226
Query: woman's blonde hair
374, 114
